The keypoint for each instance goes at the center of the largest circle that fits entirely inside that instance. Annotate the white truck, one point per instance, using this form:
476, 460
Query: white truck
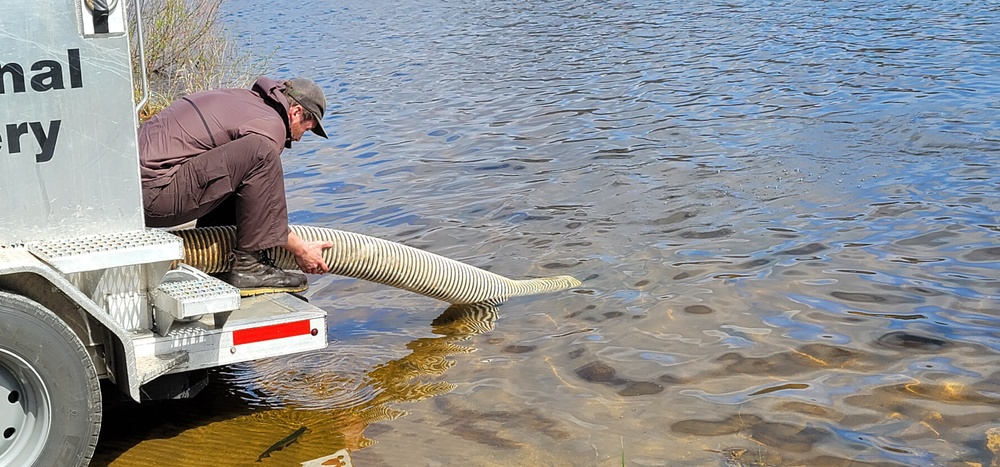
87, 292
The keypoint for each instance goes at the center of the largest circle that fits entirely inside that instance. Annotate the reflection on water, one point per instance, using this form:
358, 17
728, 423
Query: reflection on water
186, 434
785, 215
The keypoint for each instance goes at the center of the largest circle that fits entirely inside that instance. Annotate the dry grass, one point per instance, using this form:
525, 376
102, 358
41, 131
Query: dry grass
188, 50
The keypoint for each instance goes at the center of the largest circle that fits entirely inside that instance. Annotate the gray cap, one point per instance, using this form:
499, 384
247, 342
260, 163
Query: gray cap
308, 94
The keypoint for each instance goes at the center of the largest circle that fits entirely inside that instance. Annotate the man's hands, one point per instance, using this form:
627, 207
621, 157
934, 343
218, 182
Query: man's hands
308, 255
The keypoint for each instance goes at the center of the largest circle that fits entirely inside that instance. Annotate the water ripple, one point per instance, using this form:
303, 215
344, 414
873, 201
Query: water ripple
785, 214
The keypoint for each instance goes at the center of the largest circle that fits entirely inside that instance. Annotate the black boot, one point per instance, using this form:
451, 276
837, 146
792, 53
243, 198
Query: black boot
254, 273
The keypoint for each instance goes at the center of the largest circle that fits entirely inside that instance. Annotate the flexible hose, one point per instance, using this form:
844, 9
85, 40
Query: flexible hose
376, 260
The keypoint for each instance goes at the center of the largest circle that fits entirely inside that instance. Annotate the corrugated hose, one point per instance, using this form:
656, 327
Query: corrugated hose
380, 261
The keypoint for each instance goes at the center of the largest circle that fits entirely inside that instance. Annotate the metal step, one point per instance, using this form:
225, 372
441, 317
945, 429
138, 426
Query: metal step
152, 368
187, 293
95, 252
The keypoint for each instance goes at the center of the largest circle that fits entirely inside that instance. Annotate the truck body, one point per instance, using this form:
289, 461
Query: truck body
87, 292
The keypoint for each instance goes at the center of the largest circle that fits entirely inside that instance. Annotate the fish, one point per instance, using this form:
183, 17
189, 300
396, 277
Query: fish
284, 443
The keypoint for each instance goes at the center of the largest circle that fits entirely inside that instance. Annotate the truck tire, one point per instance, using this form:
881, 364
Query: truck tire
50, 395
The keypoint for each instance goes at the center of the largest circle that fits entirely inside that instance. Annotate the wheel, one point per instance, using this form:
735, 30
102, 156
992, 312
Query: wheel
50, 395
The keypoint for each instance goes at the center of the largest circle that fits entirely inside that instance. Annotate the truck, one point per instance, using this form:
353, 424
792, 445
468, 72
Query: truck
87, 292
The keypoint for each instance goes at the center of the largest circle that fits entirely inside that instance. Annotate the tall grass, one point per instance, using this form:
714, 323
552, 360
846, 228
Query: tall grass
188, 50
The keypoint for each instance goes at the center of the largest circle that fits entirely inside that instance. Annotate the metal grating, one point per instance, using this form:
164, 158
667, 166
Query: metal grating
194, 290
93, 252
195, 297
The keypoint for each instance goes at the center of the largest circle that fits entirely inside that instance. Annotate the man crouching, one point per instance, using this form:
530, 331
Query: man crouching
214, 157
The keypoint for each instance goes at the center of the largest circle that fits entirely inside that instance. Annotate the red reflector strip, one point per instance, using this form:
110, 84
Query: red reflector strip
274, 331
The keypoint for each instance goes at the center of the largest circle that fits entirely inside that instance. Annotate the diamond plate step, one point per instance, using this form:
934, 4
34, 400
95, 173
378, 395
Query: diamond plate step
95, 252
187, 293
184, 299
154, 366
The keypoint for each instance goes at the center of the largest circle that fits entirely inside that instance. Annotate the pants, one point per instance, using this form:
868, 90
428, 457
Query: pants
239, 183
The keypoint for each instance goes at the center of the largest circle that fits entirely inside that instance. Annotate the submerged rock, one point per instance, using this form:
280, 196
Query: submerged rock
640, 388
908, 340
599, 372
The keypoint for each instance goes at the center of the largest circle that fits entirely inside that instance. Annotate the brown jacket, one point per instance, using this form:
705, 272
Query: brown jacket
205, 120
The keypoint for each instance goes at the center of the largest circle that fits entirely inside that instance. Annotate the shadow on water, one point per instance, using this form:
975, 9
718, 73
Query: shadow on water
223, 427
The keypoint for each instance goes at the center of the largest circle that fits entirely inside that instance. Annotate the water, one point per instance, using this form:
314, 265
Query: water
784, 214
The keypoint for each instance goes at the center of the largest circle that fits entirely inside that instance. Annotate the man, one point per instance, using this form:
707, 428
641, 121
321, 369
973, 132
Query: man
213, 157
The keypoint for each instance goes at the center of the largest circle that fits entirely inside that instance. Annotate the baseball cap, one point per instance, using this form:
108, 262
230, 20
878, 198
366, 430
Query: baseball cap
308, 94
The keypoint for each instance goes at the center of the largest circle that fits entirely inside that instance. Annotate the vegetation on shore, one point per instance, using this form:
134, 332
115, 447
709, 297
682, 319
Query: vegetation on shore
187, 50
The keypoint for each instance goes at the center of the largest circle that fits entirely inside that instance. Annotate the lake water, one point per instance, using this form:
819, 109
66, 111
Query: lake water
785, 215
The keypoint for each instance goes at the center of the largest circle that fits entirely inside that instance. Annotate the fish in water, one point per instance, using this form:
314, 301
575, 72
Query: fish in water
282, 444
